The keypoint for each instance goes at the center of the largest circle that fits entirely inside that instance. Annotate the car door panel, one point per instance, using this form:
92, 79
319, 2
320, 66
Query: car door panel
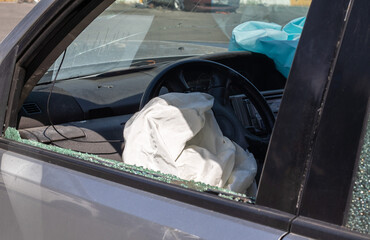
293, 236
51, 202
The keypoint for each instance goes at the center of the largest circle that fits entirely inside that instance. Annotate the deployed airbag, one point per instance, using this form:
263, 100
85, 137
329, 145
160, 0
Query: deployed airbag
177, 134
277, 42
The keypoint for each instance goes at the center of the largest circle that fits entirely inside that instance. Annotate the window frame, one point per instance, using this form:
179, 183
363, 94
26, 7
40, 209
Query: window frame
340, 79
349, 87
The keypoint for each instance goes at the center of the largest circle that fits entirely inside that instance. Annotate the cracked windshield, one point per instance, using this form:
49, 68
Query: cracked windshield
137, 33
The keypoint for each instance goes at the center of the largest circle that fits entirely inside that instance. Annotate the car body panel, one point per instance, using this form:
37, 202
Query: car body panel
96, 208
293, 236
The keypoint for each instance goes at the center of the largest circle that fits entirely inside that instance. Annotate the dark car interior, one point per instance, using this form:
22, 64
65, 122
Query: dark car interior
88, 114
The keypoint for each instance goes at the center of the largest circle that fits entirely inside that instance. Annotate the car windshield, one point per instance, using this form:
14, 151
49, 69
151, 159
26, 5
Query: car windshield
136, 34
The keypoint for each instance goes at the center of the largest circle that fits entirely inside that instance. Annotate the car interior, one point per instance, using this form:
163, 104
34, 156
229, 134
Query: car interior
88, 113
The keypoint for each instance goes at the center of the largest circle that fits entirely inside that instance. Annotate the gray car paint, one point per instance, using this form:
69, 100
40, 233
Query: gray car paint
51, 202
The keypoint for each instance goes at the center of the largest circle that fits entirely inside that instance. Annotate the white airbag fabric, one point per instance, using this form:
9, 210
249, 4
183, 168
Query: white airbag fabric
177, 134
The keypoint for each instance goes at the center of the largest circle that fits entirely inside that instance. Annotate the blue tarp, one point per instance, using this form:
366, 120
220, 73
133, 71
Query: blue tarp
277, 42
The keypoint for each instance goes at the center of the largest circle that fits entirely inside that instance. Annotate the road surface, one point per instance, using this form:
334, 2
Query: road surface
11, 14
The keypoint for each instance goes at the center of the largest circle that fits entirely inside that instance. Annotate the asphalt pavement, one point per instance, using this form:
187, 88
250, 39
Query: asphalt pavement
11, 14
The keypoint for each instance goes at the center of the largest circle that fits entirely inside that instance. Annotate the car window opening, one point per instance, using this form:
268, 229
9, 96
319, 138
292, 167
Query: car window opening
102, 76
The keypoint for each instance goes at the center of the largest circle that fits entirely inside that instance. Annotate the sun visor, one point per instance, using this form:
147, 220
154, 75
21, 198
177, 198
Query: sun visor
177, 134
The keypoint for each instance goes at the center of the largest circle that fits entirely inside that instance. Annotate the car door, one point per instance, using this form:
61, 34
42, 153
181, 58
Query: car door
47, 195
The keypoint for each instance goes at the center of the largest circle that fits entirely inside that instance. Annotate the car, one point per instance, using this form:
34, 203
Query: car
215, 5
75, 75
197, 6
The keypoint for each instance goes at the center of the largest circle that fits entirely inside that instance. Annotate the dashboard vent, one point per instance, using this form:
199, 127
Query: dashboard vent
31, 108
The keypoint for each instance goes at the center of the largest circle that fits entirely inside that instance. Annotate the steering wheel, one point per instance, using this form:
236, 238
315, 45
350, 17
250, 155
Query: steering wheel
221, 81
